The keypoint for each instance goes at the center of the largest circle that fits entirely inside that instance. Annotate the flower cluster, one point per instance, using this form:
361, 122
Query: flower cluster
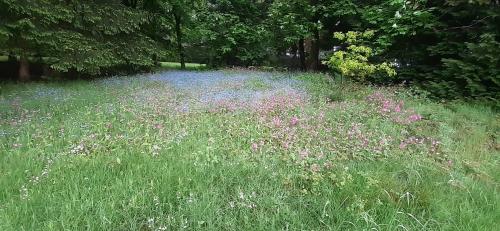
394, 109
432, 143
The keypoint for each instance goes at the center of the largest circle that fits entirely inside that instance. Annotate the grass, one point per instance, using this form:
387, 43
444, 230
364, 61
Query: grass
189, 66
116, 154
163, 65
256, 84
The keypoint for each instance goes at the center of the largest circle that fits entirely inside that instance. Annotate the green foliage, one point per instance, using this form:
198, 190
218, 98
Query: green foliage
466, 52
298, 22
291, 19
474, 73
84, 36
438, 44
431, 42
397, 20
354, 62
299, 18
233, 32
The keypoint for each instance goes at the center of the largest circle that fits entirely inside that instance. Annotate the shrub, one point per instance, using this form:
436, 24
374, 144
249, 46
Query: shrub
475, 73
354, 61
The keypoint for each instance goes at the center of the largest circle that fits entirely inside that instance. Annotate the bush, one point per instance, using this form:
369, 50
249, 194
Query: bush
354, 61
474, 74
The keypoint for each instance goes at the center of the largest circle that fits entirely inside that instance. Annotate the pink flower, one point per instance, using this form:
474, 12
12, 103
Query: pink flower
277, 121
415, 117
386, 106
255, 147
399, 107
402, 145
365, 141
294, 121
321, 115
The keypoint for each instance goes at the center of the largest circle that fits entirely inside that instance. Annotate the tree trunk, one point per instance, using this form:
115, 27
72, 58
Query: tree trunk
12, 70
24, 69
302, 55
314, 63
178, 33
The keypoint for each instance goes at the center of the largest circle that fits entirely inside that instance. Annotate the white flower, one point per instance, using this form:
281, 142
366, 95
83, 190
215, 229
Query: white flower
397, 15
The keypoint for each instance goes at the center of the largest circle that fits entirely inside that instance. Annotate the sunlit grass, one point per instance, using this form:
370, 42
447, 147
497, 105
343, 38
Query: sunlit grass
128, 154
175, 65
167, 65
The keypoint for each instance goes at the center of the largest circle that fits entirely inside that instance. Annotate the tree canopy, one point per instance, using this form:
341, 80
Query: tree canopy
83, 36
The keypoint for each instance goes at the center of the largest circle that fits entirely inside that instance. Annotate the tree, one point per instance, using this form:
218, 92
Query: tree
303, 21
437, 41
292, 26
177, 13
234, 32
80, 36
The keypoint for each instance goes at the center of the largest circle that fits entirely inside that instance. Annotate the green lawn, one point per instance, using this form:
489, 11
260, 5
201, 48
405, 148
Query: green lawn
165, 65
137, 154
189, 66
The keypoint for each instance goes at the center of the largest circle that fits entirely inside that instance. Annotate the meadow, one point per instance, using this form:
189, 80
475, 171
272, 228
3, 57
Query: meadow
249, 150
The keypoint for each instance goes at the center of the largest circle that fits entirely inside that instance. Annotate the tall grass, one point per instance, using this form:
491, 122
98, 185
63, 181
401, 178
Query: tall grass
118, 154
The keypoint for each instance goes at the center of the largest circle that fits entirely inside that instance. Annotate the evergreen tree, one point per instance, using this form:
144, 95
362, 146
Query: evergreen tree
81, 36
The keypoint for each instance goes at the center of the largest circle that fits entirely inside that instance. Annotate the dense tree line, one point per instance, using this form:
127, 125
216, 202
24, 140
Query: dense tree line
450, 47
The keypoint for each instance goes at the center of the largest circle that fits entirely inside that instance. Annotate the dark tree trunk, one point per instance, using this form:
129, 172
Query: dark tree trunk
24, 69
302, 55
180, 48
314, 63
13, 69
